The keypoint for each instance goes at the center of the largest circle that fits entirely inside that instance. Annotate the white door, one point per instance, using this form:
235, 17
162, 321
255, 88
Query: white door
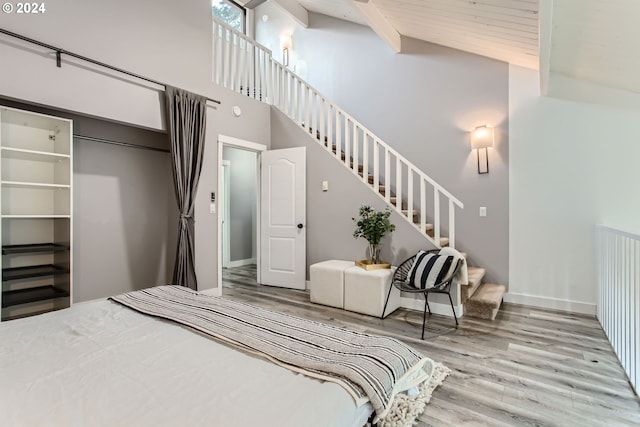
282, 219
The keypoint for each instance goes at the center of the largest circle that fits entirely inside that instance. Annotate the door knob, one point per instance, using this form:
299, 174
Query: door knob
300, 226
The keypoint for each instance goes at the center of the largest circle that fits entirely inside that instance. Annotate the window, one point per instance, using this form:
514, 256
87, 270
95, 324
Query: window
229, 12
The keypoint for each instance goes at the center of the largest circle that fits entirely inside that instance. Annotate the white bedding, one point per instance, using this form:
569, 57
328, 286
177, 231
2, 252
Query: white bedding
102, 364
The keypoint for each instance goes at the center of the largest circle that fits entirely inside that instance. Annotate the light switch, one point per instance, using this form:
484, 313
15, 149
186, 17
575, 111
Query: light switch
483, 211
325, 185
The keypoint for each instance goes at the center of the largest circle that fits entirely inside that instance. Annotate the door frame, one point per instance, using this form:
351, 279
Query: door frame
226, 213
224, 140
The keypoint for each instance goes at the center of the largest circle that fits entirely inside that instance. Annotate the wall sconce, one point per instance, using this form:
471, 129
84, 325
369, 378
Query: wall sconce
285, 45
482, 137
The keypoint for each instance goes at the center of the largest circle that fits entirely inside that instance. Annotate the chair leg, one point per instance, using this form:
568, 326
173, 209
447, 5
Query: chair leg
424, 315
387, 301
453, 309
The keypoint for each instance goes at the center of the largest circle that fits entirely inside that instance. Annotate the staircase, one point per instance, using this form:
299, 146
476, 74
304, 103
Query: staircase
244, 66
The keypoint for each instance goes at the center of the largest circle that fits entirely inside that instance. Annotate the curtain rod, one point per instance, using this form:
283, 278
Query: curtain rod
60, 51
122, 144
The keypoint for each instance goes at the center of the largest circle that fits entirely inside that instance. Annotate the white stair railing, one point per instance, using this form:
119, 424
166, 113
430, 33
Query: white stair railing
618, 262
242, 65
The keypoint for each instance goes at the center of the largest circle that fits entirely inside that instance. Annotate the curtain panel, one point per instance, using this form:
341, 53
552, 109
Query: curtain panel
186, 124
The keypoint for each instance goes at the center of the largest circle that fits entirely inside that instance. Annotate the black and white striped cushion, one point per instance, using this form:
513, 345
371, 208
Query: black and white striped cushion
429, 269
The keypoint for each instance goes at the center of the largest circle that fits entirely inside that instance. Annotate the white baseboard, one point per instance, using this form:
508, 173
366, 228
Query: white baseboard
551, 303
436, 307
242, 262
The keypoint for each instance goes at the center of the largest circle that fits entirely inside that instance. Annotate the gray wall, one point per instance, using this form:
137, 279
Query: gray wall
422, 102
124, 210
242, 203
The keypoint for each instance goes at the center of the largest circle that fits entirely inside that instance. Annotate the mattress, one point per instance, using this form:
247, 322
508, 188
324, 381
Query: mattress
102, 364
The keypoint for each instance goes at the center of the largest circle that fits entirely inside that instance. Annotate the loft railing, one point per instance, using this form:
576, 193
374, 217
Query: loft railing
619, 296
243, 65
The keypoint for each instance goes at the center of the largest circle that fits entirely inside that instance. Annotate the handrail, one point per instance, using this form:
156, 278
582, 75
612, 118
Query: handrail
243, 65
393, 151
628, 234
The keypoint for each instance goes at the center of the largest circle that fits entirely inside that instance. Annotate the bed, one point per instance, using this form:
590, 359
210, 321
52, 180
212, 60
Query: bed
103, 363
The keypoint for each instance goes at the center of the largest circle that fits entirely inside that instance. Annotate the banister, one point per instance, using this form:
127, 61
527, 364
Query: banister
329, 124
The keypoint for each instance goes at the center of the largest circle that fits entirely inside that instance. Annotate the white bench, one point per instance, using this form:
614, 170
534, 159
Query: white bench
342, 284
327, 282
366, 291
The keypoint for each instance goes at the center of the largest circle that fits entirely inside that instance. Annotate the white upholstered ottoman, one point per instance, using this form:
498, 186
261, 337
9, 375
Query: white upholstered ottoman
366, 291
327, 282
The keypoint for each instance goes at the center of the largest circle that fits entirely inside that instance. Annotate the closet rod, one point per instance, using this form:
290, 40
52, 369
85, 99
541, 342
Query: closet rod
122, 144
60, 51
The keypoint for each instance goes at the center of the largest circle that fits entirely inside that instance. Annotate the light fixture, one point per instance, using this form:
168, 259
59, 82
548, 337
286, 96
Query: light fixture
482, 137
285, 45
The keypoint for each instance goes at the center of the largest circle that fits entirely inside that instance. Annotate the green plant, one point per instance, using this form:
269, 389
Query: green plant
373, 225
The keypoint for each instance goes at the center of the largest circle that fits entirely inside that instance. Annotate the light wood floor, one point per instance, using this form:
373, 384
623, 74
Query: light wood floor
529, 367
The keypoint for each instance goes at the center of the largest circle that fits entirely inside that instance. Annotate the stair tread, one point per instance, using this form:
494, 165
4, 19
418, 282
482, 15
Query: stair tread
475, 274
489, 294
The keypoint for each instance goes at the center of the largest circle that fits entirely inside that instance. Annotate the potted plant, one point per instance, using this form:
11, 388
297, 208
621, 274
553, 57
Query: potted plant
373, 225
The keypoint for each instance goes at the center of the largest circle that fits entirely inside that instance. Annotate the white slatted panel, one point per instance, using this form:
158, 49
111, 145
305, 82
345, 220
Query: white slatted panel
619, 296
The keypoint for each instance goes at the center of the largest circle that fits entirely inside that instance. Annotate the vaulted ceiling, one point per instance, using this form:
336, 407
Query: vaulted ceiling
593, 41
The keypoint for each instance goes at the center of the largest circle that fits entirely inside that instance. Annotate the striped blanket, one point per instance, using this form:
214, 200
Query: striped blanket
368, 366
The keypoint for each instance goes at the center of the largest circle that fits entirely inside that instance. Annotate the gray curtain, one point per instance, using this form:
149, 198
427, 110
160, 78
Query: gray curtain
186, 123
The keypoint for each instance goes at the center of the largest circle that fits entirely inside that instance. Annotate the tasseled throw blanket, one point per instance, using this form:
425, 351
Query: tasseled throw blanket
367, 366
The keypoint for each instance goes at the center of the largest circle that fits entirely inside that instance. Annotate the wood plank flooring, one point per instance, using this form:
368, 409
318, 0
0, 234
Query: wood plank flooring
529, 367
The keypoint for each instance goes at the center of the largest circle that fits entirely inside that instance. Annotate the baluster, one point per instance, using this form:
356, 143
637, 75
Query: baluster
289, 95
423, 206
409, 193
255, 54
236, 69
436, 216
225, 58
399, 184
339, 150
321, 128
347, 142
376, 166
330, 126
452, 225
356, 160
314, 113
307, 111
299, 117
365, 156
216, 53
387, 174
281, 79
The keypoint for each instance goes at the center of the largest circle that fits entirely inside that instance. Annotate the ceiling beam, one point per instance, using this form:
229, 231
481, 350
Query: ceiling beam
378, 23
545, 14
297, 12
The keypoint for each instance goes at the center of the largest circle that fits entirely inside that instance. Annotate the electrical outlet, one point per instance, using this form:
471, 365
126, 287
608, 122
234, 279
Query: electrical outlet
483, 211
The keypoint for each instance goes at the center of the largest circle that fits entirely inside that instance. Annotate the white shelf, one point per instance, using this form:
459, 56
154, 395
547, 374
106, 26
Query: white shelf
35, 216
36, 206
33, 185
38, 156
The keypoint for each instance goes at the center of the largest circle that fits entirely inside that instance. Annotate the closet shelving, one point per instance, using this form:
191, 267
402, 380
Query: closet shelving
36, 180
